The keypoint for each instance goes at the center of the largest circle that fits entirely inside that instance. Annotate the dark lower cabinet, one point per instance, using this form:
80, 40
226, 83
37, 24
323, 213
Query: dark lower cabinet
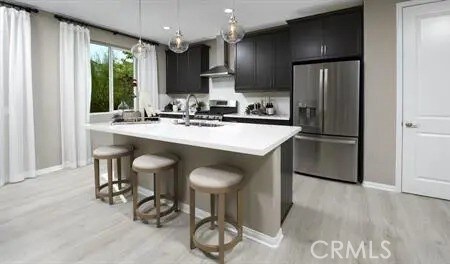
263, 121
183, 71
263, 62
333, 35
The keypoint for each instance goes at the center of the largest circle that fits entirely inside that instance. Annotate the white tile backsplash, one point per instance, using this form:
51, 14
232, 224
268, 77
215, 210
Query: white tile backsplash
223, 89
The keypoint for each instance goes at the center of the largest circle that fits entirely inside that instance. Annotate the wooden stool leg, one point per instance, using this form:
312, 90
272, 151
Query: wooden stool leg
130, 172
110, 189
175, 187
213, 209
192, 215
154, 189
221, 223
240, 212
119, 173
134, 181
158, 200
96, 176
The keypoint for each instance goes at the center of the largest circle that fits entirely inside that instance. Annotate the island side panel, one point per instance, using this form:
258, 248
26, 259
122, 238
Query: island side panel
262, 191
287, 170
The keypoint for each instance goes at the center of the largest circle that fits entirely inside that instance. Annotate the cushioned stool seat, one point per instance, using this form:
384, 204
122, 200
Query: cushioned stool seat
111, 152
216, 177
151, 162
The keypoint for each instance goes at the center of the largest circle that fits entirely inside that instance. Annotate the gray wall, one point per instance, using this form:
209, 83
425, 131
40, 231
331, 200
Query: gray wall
45, 71
380, 90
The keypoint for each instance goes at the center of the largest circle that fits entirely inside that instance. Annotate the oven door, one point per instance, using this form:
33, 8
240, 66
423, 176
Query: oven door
326, 156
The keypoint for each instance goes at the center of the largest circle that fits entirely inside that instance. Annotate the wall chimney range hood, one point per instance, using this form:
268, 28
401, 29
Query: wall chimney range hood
222, 69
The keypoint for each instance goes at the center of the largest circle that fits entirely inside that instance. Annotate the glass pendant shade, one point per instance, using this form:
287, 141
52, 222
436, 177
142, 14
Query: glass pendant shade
232, 32
178, 44
140, 50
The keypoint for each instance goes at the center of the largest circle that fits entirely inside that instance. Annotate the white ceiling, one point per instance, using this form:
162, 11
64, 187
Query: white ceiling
199, 19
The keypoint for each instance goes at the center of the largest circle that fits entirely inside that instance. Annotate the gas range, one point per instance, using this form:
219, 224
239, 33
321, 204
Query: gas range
217, 108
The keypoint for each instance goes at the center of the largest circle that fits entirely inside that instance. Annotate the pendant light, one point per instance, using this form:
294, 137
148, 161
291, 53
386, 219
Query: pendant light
140, 50
232, 32
178, 44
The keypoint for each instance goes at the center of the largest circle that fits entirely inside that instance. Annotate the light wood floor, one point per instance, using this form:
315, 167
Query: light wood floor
55, 219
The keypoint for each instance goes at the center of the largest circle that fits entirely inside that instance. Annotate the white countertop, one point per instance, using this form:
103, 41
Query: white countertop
271, 117
253, 139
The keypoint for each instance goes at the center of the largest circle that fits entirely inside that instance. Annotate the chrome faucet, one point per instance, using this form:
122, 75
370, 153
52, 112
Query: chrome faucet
186, 119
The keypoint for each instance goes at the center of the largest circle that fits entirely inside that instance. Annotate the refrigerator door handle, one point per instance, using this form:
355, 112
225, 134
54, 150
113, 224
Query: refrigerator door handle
325, 90
328, 140
320, 105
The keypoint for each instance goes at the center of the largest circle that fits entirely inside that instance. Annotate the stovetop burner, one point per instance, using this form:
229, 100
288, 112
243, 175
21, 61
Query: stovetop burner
217, 108
207, 115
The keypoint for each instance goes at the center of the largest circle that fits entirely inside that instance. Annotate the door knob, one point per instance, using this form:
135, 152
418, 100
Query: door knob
410, 125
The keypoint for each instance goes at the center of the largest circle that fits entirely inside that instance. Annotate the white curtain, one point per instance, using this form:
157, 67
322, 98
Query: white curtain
75, 93
17, 149
147, 77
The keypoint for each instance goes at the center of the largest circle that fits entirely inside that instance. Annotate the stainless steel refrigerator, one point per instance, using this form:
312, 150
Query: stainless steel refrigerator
326, 106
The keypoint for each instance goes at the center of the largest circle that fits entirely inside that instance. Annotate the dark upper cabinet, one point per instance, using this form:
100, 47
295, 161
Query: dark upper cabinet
306, 39
327, 36
245, 64
183, 78
183, 70
171, 71
343, 36
198, 63
263, 62
283, 66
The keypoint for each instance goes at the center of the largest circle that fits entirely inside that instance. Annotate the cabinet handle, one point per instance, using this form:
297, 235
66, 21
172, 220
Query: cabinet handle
321, 49
325, 49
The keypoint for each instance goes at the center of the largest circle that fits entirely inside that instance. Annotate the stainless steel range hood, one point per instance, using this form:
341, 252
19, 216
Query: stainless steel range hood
222, 69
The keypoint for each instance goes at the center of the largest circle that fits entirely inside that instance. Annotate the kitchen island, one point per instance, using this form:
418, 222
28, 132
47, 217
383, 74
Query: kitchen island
263, 152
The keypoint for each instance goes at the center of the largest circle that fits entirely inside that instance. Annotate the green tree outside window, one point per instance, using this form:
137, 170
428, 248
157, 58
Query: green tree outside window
122, 77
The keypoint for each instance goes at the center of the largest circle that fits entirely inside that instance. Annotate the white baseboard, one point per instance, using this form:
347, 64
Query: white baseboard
49, 170
249, 233
380, 186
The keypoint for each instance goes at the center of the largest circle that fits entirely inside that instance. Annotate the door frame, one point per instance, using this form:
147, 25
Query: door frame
399, 93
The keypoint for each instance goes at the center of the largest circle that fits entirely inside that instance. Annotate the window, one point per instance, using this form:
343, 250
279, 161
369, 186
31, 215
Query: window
112, 71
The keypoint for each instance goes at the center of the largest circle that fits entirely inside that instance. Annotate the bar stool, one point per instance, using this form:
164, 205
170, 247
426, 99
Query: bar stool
151, 163
109, 153
218, 180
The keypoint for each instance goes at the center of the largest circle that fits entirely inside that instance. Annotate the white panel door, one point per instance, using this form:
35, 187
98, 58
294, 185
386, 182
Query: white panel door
426, 100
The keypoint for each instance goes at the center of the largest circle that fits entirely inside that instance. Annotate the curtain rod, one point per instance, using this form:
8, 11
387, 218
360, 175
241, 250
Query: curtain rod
115, 32
20, 7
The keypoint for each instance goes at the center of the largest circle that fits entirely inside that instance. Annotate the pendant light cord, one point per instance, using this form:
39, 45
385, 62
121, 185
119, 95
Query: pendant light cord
140, 20
178, 14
